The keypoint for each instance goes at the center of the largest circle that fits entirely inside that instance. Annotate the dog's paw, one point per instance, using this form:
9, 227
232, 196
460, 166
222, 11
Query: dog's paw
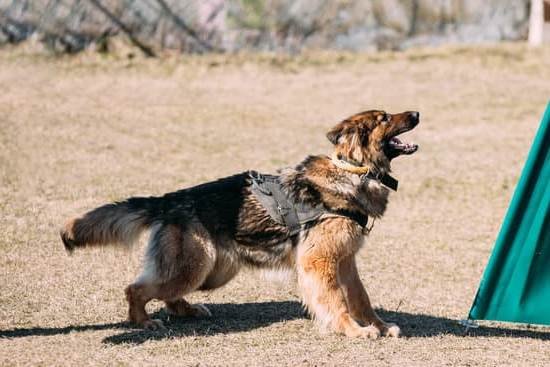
200, 310
181, 308
370, 332
392, 330
153, 325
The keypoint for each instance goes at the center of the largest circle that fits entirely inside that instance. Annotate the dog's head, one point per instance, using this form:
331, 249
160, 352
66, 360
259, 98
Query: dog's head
370, 138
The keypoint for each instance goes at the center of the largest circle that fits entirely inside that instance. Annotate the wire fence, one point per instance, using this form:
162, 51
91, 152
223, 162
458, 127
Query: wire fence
228, 25
72, 25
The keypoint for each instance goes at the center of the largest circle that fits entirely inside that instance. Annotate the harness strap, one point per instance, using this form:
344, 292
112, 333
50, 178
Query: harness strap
362, 220
285, 208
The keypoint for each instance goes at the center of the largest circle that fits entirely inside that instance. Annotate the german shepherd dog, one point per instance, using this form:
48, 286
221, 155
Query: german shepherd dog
201, 236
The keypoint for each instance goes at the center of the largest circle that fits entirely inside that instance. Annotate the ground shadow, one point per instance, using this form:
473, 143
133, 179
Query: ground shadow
237, 317
227, 318
50, 331
419, 325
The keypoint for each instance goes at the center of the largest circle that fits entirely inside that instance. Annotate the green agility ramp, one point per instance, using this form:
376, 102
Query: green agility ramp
516, 283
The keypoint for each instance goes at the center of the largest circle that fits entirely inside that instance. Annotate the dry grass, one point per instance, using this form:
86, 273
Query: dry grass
75, 133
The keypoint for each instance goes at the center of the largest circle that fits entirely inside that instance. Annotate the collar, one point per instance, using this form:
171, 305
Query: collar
366, 172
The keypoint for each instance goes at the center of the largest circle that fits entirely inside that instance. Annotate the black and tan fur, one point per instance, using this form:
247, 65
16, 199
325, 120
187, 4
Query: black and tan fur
201, 236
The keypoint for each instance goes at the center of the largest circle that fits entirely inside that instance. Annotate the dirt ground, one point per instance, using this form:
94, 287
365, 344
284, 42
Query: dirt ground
78, 132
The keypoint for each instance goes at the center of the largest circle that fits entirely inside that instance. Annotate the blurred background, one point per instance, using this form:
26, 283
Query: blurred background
275, 25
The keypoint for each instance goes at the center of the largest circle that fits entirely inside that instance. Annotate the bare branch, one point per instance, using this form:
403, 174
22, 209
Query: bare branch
190, 31
145, 49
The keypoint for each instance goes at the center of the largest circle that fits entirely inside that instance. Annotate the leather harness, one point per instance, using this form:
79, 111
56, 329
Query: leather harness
283, 209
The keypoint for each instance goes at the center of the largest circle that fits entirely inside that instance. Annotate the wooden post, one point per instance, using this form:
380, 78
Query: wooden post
536, 23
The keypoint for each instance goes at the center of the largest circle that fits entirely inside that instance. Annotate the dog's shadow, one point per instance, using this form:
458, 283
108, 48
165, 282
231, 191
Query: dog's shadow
227, 318
232, 318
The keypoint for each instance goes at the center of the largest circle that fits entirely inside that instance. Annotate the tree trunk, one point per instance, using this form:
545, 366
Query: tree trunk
536, 23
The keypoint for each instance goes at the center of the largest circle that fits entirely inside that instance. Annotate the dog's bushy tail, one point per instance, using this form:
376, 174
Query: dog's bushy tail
120, 222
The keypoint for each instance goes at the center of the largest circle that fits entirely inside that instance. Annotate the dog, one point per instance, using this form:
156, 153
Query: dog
200, 237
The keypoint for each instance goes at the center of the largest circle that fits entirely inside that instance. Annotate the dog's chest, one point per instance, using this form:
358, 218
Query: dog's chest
373, 197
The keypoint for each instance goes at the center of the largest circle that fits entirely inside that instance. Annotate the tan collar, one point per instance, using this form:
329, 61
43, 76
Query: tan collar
346, 166
366, 172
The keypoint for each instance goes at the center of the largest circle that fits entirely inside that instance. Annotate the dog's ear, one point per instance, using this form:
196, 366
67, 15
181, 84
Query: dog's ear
335, 133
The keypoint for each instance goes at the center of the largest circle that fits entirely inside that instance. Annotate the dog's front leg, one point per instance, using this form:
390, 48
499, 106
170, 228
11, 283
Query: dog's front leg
323, 296
358, 300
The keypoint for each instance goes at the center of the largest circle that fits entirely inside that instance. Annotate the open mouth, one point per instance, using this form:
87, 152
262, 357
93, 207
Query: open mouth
395, 147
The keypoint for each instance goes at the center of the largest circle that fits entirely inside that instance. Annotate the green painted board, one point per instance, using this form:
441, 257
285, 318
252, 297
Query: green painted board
516, 283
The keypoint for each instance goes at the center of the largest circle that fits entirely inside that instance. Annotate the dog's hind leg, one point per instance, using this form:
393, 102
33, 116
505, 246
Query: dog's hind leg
177, 263
137, 295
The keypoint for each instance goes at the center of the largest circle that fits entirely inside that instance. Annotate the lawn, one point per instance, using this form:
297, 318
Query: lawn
76, 132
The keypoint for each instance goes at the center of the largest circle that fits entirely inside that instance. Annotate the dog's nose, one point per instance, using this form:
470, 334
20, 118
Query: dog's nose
415, 116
